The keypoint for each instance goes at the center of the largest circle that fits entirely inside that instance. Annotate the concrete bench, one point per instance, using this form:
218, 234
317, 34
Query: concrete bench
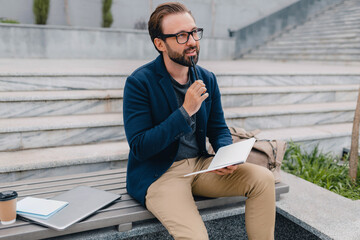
122, 214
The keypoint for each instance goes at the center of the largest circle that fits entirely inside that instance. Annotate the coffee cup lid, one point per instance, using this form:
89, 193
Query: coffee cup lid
8, 195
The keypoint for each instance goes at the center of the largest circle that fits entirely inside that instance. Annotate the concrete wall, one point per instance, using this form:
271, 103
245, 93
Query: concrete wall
33, 41
216, 16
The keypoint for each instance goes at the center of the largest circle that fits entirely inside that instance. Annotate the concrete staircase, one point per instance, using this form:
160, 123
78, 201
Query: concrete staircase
65, 124
333, 35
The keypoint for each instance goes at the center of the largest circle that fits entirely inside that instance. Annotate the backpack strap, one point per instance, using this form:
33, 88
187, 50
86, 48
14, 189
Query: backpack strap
242, 133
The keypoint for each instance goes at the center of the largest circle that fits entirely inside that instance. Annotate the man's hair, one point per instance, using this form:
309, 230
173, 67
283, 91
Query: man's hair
155, 21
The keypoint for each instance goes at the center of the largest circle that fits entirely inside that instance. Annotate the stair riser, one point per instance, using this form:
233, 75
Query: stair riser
39, 83
309, 57
319, 36
320, 25
320, 32
290, 120
56, 138
56, 108
328, 145
341, 21
343, 28
230, 80
340, 51
242, 100
302, 47
224, 80
340, 42
310, 42
98, 165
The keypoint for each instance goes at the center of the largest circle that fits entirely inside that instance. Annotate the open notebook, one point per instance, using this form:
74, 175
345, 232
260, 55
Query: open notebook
233, 154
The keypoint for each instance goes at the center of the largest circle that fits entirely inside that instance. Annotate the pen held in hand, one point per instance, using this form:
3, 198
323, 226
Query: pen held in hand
193, 65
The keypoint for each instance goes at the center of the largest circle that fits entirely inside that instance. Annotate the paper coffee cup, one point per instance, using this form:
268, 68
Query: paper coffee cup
8, 207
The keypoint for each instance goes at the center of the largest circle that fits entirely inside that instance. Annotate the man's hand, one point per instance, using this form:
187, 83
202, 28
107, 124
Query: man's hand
194, 96
225, 170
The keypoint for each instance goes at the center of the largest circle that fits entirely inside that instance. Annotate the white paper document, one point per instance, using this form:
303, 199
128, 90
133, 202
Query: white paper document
39, 207
233, 154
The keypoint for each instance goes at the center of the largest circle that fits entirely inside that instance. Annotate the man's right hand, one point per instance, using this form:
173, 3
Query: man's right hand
194, 96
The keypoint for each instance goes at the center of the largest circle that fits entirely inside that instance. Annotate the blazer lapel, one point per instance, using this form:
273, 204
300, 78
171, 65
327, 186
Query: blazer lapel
168, 90
166, 84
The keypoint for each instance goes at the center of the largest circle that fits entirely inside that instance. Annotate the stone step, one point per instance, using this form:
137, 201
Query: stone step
57, 82
329, 46
40, 132
351, 20
320, 33
288, 116
304, 30
311, 51
303, 56
314, 42
330, 138
340, 36
231, 78
57, 103
338, 16
298, 78
270, 95
37, 163
53, 131
324, 29
52, 103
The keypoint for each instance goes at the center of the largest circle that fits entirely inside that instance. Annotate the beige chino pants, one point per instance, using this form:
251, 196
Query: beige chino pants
170, 198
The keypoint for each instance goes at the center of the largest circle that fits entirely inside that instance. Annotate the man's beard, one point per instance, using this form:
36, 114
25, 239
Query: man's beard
182, 59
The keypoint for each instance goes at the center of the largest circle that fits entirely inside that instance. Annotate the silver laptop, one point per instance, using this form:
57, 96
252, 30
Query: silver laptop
83, 201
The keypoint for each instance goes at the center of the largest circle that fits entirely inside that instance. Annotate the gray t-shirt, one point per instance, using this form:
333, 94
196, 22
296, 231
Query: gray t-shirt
188, 145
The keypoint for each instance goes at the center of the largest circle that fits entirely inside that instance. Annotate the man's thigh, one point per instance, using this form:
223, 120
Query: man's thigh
170, 199
239, 183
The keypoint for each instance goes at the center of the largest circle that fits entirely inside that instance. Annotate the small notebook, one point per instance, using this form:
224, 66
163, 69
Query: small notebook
39, 207
233, 154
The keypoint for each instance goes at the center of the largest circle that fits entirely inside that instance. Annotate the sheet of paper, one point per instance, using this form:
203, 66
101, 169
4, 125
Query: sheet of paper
235, 153
39, 207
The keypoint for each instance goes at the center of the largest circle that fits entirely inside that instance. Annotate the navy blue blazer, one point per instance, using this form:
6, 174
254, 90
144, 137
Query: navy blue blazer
153, 123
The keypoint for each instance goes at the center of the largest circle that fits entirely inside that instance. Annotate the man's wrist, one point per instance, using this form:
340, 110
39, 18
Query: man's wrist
185, 114
187, 111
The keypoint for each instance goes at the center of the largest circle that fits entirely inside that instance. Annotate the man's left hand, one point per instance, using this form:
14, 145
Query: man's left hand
226, 170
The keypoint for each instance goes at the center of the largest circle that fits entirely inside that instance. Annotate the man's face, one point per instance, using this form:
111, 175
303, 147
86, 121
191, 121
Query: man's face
180, 53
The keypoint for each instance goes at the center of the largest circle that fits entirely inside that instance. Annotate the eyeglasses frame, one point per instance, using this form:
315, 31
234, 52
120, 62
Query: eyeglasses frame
164, 36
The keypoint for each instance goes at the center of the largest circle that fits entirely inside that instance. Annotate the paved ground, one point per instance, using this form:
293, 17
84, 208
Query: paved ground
234, 228
320, 211
83, 66
220, 229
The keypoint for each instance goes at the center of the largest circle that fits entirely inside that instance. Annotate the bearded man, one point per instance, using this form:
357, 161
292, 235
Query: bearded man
168, 113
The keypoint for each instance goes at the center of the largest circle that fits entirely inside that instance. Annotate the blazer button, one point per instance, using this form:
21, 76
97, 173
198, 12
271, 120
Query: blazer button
156, 175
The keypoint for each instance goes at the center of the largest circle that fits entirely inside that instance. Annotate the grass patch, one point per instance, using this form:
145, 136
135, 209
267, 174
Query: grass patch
322, 169
9, 21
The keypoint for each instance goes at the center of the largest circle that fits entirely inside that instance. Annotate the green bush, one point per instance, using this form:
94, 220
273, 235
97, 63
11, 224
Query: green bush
322, 169
5, 20
41, 11
106, 13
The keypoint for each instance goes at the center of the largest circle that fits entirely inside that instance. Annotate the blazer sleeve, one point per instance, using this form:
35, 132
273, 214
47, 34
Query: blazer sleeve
145, 137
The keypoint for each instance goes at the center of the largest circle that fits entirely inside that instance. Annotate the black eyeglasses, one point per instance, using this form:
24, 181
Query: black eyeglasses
183, 37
